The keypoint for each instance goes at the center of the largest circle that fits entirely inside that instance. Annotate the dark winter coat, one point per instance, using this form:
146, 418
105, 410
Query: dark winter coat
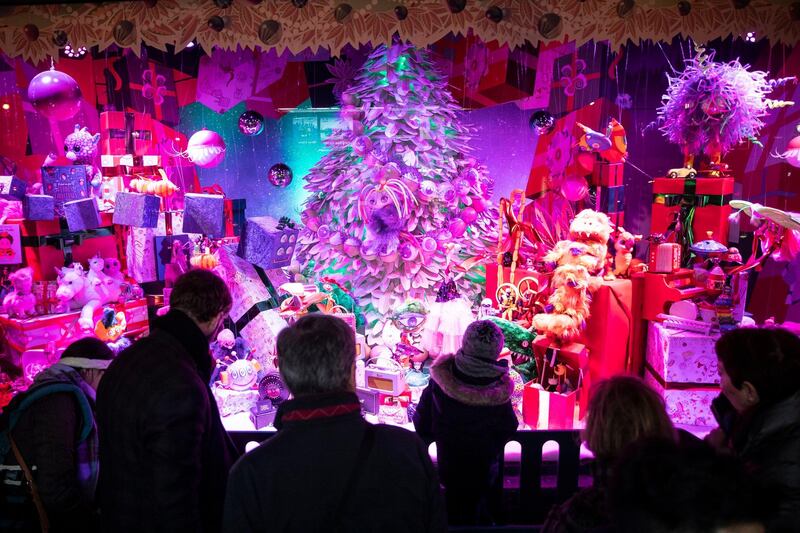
470, 419
770, 446
53, 426
295, 481
164, 453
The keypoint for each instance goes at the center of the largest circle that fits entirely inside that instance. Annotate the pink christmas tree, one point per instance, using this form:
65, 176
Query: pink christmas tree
397, 189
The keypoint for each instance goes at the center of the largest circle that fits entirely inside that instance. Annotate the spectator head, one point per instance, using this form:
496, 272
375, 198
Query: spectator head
316, 355
758, 366
90, 357
623, 409
660, 487
480, 348
204, 297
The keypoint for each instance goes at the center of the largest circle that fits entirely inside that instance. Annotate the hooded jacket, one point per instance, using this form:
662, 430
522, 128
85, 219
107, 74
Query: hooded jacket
470, 419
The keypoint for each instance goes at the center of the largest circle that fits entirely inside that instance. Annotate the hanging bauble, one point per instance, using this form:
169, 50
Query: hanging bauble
216, 23
251, 123
205, 149
342, 13
123, 32
31, 32
457, 227
401, 12
625, 7
574, 188
324, 233
269, 32
495, 14
542, 122
223, 4
478, 204
55, 94
280, 175
428, 245
549, 25
468, 215
456, 6
684, 8
408, 252
60, 38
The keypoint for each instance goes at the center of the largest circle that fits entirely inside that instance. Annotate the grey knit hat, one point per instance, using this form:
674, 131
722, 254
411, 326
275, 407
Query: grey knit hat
483, 341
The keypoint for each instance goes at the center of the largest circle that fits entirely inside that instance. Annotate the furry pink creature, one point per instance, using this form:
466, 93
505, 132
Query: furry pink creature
20, 302
568, 306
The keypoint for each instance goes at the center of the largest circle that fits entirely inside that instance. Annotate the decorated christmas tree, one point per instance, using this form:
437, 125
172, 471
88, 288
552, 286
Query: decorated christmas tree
398, 189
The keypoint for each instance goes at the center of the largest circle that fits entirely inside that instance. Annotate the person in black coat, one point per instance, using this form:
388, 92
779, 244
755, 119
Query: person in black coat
466, 409
164, 453
759, 413
327, 469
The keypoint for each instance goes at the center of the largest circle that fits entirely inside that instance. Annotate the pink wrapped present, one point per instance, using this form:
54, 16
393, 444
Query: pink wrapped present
548, 410
676, 356
686, 404
254, 303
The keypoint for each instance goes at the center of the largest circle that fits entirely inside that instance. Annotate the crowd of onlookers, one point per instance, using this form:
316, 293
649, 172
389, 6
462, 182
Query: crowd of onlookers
135, 443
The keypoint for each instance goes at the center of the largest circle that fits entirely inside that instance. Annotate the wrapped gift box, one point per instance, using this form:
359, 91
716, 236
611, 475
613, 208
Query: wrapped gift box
137, 210
130, 164
708, 196
686, 404
62, 329
266, 246
611, 201
682, 365
575, 356
126, 133
38, 207
547, 410
48, 244
678, 356
204, 213
608, 174
254, 303
65, 184
12, 188
82, 215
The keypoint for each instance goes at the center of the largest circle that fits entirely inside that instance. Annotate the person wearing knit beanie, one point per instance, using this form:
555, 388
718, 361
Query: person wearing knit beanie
466, 409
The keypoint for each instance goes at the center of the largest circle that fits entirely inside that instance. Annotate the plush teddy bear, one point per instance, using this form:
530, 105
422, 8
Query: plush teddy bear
20, 302
568, 306
589, 232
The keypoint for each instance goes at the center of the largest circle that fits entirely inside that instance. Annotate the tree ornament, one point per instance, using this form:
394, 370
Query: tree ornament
216, 23
684, 8
495, 14
270, 32
55, 94
456, 6
625, 8
549, 25
280, 175
31, 32
574, 188
223, 4
206, 149
342, 13
251, 123
401, 12
542, 122
60, 38
123, 32
469, 215
299, 3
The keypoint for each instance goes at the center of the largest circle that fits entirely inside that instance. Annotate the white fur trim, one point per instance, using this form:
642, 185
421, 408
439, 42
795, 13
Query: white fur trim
85, 363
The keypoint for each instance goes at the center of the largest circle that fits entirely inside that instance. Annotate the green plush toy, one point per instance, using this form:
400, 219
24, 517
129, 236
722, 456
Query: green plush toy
519, 341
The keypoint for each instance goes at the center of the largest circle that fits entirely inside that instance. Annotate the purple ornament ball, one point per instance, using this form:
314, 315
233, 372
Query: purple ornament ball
468, 215
280, 175
251, 123
574, 188
457, 227
55, 94
478, 204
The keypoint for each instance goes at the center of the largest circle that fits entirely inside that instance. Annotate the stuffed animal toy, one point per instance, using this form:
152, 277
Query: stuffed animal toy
568, 306
76, 291
588, 245
20, 302
80, 147
113, 269
623, 257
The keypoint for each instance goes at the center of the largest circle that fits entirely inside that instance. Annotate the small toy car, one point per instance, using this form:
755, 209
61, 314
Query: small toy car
688, 173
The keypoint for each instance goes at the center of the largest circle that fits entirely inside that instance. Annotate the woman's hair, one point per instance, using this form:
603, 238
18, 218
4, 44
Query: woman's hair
769, 358
623, 409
